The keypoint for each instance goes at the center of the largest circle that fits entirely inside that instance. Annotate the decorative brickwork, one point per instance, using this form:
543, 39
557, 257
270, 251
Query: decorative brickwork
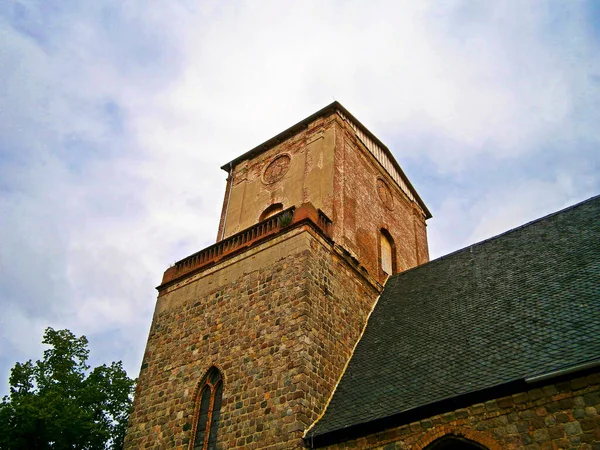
385, 194
277, 168
555, 416
480, 437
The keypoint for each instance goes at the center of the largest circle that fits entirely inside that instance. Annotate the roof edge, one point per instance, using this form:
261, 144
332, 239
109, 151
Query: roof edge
282, 136
415, 414
512, 230
448, 404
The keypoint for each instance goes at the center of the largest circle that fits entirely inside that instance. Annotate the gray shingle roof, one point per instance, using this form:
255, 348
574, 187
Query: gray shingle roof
523, 303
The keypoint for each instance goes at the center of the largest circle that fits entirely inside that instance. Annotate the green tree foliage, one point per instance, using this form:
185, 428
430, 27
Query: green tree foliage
59, 403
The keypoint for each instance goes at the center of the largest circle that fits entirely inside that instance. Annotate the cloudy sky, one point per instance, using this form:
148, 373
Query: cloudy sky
115, 117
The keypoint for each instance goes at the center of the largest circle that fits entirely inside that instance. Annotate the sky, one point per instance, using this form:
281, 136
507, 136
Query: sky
116, 116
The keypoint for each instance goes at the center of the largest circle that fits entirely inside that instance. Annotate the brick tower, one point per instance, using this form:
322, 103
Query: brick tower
250, 335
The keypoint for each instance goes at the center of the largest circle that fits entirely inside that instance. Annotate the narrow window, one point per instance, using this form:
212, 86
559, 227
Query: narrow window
209, 408
271, 211
387, 252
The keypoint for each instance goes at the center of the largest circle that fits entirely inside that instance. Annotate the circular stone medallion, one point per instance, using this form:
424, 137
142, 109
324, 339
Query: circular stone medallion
277, 169
385, 194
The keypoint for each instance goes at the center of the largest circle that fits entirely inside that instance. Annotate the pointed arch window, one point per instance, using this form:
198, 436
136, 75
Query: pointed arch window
208, 410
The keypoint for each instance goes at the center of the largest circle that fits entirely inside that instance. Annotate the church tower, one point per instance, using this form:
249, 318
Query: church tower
250, 335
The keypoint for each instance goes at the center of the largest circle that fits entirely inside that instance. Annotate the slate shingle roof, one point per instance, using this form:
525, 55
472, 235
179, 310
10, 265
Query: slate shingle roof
523, 303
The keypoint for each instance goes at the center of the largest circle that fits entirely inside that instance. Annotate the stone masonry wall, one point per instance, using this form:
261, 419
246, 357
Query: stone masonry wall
279, 321
563, 415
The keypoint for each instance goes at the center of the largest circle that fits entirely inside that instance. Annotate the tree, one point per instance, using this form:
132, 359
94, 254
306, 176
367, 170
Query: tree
58, 403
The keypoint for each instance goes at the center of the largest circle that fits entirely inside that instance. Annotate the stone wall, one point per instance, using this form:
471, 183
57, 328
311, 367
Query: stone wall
554, 416
279, 321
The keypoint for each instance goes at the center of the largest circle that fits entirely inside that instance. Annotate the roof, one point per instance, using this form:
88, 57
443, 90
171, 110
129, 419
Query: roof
327, 110
521, 304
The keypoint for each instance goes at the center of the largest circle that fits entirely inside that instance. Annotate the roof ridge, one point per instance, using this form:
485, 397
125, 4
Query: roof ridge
504, 233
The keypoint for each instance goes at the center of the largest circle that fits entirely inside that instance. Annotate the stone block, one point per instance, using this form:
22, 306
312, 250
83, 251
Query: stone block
477, 409
491, 405
541, 435
556, 432
572, 428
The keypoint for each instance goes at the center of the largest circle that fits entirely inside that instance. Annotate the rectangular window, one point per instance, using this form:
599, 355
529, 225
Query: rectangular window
386, 254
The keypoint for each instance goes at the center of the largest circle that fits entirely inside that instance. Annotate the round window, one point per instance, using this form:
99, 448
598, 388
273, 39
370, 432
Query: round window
276, 169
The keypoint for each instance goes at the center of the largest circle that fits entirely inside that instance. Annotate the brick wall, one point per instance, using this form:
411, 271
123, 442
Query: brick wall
555, 416
330, 168
360, 213
279, 321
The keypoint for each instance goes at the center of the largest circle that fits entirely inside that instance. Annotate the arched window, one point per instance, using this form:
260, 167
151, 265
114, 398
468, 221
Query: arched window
208, 409
451, 442
388, 250
271, 211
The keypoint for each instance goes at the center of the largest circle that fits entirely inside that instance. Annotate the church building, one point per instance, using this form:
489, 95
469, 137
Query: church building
316, 320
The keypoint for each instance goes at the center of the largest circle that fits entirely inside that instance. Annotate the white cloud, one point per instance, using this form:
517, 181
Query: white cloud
114, 119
